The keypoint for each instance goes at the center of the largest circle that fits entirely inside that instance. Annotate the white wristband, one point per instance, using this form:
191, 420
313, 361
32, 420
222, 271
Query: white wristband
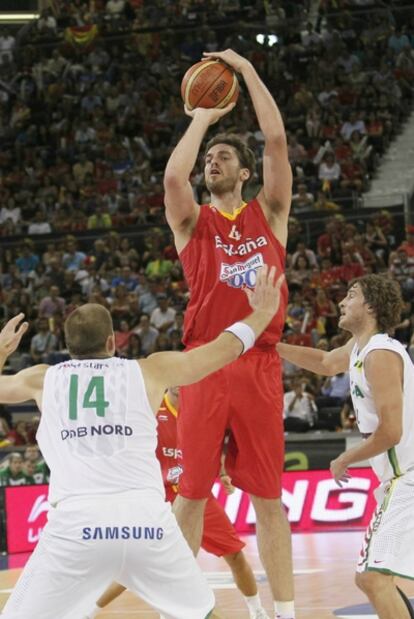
244, 333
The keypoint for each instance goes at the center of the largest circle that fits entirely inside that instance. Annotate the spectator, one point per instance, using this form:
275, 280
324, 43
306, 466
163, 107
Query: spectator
126, 279
46, 24
13, 474
100, 218
42, 344
303, 200
39, 224
4, 431
329, 172
323, 204
134, 348
408, 244
335, 390
27, 261
72, 258
10, 212
19, 435
147, 333
122, 337
158, 267
300, 410
353, 124
148, 298
29, 471
163, 316
52, 303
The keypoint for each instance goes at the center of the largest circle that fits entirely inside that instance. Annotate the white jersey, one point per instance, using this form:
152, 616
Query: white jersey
399, 459
98, 433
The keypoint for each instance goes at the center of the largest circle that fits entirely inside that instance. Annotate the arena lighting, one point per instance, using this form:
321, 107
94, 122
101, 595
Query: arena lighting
271, 39
17, 17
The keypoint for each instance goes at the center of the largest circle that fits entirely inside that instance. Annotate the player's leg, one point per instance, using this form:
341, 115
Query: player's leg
255, 462
111, 593
164, 573
200, 434
388, 550
220, 538
64, 575
246, 583
407, 603
383, 595
275, 551
189, 514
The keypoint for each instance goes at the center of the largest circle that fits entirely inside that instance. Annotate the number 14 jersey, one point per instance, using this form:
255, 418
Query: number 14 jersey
98, 433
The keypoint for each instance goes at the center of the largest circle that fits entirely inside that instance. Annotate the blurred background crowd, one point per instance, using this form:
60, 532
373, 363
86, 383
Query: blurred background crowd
90, 109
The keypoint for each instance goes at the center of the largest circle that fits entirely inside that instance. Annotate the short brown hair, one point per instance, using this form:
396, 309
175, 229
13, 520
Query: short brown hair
384, 296
87, 329
245, 154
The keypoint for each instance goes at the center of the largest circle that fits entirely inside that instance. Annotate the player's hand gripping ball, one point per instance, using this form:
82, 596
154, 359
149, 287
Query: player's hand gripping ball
208, 84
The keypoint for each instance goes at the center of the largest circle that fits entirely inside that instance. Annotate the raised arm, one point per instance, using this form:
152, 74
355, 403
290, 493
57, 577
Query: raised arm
27, 384
275, 196
181, 208
319, 361
162, 370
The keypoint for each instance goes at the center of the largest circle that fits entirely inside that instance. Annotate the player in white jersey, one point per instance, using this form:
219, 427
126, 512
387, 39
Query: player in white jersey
382, 389
108, 520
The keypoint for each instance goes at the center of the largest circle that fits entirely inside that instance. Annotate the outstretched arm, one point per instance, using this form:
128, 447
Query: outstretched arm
275, 196
319, 361
181, 208
27, 384
162, 370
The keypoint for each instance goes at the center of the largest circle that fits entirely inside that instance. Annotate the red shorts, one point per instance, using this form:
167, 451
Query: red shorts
247, 398
219, 535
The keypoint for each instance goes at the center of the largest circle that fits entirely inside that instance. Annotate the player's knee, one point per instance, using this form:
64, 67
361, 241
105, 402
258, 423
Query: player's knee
372, 583
267, 510
189, 506
234, 560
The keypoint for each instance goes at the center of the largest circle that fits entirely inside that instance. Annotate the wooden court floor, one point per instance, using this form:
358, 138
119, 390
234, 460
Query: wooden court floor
324, 567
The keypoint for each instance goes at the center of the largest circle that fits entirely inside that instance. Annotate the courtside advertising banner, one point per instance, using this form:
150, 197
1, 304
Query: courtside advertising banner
313, 502
26, 514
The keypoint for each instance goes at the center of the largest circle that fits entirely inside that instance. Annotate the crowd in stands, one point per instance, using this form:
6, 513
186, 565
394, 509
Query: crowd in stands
86, 132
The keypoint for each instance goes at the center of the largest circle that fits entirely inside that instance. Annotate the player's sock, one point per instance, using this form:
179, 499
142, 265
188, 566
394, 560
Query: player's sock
253, 603
285, 610
93, 612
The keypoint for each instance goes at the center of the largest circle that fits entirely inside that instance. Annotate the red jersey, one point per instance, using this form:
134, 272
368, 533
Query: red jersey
167, 452
219, 261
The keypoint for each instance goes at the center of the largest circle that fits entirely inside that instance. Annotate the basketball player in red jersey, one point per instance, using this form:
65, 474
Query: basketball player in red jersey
219, 536
221, 245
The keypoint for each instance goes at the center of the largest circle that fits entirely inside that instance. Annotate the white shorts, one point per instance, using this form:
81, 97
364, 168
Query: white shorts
131, 538
388, 544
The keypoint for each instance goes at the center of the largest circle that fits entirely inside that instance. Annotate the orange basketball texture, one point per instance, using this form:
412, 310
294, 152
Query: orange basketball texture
209, 83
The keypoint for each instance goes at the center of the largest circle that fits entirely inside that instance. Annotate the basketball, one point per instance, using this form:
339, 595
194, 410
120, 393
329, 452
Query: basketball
209, 83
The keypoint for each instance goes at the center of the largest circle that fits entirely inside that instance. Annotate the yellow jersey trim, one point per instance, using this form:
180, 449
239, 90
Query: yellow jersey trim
231, 216
170, 406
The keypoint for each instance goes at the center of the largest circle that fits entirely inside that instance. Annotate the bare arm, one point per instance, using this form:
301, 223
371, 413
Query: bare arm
27, 384
318, 361
384, 372
181, 208
23, 386
163, 370
275, 196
